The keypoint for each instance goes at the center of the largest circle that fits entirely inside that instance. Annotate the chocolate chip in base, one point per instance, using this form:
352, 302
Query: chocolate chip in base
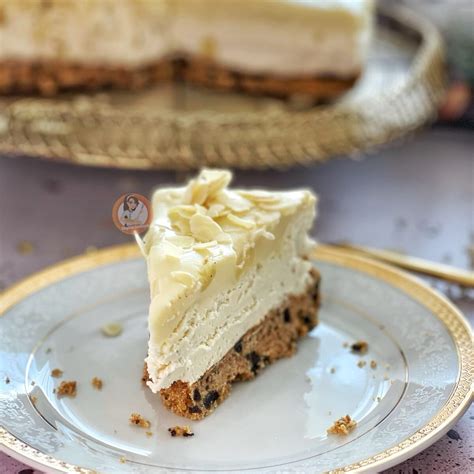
194, 409
286, 315
254, 359
196, 395
210, 398
238, 346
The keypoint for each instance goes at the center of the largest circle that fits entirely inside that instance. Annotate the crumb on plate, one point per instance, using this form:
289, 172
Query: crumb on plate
67, 388
149, 434
333, 370
56, 373
123, 459
180, 431
373, 364
138, 420
112, 329
97, 383
361, 363
7, 379
48, 350
360, 347
343, 426
33, 399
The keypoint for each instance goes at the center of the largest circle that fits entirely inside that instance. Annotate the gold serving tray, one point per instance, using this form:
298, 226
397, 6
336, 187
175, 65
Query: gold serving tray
176, 126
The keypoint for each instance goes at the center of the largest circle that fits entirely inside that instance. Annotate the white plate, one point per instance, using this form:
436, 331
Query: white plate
421, 343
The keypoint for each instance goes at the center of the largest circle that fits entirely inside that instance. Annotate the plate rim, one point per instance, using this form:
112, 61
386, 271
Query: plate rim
452, 318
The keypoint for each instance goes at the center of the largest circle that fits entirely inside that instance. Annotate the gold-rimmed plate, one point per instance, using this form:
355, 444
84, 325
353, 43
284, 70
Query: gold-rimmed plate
418, 385
176, 126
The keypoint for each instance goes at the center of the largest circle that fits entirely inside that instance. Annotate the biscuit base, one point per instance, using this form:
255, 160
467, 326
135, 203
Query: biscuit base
273, 338
51, 77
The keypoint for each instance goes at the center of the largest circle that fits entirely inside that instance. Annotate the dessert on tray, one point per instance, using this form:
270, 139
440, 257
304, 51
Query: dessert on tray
276, 47
232, 287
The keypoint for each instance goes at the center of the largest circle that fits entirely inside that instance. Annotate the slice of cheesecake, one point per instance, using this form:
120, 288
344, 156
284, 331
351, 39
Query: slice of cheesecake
232, 287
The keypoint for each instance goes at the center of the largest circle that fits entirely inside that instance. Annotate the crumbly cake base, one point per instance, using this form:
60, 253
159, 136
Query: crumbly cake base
275, 337
50, 77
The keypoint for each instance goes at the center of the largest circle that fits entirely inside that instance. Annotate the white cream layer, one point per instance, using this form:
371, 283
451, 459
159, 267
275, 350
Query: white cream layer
127, 33
282, 37
285, 38
218, 260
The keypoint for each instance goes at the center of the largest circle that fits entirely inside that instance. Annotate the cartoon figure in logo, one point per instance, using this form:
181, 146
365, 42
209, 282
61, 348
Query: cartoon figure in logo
132, 212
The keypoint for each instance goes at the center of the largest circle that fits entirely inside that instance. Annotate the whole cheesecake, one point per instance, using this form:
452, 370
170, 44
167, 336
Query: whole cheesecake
274, 47
232, 287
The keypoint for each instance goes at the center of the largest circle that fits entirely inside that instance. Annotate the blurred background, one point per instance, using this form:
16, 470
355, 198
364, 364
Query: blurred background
414, 194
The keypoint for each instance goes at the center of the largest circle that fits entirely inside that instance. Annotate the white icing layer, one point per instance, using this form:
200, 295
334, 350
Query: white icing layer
218, 261
115, 32
283, 37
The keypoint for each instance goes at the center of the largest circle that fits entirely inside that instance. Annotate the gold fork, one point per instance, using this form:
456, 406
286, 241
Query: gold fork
441, 271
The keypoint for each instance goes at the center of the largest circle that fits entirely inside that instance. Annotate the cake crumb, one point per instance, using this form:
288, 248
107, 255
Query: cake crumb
97, 383
332, 370
373, 364
360, 347
123, 459
7, 379
112, 329
33, 383
149, 434
346, 344
386, 377
361, 363
378, 399
180, 431
343, 426
138, 420
25, 247
56, 373
67, 388
33, 399
48, 350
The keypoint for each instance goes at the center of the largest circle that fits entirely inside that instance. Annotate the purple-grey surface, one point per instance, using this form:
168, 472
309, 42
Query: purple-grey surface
417, 197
